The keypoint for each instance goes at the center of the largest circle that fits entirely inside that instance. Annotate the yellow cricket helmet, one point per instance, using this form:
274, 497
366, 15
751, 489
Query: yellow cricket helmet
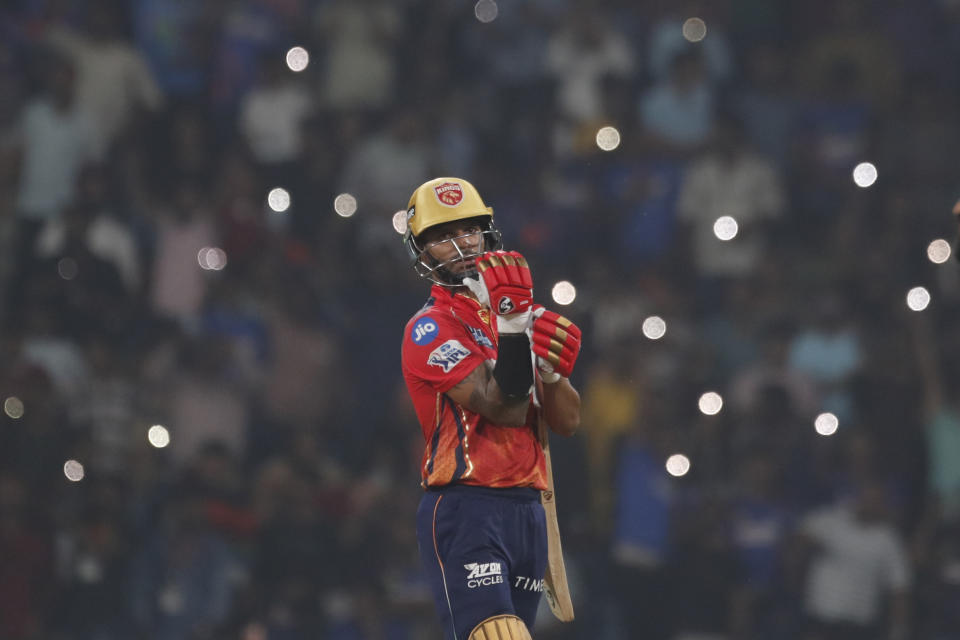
437, 202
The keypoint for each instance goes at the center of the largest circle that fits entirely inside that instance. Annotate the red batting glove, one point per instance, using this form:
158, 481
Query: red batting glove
505, 285
556, 343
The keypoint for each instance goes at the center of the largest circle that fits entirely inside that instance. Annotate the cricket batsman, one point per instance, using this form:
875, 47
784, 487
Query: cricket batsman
485, 368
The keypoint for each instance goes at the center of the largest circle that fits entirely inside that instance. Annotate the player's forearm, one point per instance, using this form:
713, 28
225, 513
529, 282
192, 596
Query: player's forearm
561, 407
511, 380
498, 407
480, 393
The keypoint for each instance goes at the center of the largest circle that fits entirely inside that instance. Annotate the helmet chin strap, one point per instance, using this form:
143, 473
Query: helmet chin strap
458, 277
438, 272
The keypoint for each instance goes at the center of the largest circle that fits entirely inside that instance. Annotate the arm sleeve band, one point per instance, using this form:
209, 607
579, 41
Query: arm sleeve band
514, 369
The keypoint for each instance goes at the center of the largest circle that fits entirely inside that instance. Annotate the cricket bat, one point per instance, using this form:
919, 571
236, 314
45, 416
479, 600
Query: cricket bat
555, 587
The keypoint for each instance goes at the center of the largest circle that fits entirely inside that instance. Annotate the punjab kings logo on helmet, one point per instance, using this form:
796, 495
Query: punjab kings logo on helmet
449, 193
436, 202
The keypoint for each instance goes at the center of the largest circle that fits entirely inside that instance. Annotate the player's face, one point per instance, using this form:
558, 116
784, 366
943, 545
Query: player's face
455, 244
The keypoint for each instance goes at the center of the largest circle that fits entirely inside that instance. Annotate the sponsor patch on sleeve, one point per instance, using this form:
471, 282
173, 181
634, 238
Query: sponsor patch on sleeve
448, 355
424, 331
480, 337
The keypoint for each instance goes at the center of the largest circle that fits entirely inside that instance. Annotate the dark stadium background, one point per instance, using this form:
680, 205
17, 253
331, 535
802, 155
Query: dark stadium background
205, 433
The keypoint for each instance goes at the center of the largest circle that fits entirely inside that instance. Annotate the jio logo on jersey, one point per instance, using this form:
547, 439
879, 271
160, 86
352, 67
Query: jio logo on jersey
424, 331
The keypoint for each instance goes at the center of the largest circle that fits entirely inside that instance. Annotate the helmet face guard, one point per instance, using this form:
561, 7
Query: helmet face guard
441, 201
439, 272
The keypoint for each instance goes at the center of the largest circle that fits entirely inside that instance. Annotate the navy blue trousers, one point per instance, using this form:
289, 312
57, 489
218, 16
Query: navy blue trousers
484, 552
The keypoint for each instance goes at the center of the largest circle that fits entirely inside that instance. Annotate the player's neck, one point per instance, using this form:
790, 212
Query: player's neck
465, 291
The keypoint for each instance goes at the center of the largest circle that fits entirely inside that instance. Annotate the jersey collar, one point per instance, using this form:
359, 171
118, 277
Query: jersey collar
457, 299
452, 295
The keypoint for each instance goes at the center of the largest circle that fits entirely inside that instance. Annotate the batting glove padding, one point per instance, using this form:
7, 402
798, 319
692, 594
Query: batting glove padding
556, 343
505, 285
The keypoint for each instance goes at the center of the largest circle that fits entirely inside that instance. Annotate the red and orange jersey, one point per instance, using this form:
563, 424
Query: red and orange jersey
442, 343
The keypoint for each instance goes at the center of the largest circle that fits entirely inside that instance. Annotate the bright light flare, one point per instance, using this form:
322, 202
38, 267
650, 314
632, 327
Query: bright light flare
694, 29
212, 258
654, 327
864, 174
826, 424
278, 199
486, 10
678, 465
939, 251
297, 59
400, 222
73, 470
725, 228
608, 138
710, 403
564, 292
67, 268
13, 407
158, 436
918, 298
345, 205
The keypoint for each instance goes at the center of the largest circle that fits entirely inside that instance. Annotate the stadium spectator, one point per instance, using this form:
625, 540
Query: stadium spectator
762, 529
273, 510
27, 573
204, 404
729, 179
612, 403
380, 169
184, 575
53, 141
677, 113
859, 579
88, 220
271, 117
765, 101
359, 62
183, 227
582, 53
176, 40
669, 36
92, 561
770, 376
829, 351
641, 533
114, 83
941, 417
846, 40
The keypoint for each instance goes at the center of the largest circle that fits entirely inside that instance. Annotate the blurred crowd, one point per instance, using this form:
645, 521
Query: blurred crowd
225, 377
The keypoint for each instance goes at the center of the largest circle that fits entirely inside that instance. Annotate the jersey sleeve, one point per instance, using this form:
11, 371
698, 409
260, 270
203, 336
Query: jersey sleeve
438, 350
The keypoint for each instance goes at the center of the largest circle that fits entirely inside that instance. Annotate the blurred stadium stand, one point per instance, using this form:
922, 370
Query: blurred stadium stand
205, 435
